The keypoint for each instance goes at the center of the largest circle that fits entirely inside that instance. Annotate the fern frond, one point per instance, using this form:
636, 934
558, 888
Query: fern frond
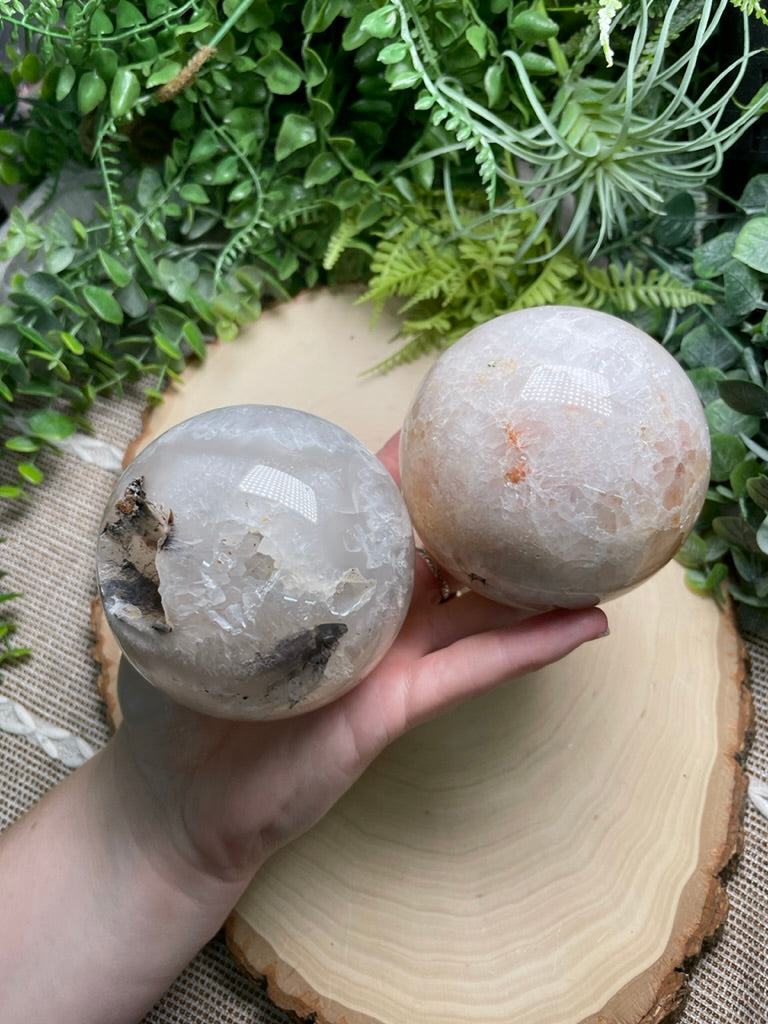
413, 349
753, 8
627, 288
339, 242
242, 243
548, 287
438, 277
396, 269
107, 153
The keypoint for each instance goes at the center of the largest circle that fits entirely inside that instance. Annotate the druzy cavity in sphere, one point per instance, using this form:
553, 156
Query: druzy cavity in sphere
255, 561
554, 456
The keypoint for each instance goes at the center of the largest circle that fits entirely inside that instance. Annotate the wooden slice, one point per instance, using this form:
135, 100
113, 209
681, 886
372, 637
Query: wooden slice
549, 853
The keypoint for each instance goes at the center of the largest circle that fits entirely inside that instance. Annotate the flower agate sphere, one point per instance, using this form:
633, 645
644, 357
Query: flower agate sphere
554, 456
255, 561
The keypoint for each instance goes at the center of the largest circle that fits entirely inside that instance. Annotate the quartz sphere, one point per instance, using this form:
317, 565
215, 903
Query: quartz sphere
255, 561
554, 457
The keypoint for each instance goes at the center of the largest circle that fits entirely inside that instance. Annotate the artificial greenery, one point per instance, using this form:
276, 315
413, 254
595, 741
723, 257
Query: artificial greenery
468, 157
724, 347
447, 283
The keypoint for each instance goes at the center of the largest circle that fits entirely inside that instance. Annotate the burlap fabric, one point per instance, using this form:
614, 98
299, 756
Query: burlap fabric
48, 555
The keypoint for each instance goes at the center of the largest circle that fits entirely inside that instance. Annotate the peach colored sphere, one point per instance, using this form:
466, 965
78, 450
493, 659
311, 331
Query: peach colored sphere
555, 456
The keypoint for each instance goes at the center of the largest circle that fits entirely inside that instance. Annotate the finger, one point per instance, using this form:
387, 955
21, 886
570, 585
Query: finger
437, 624
475, 664
390, 456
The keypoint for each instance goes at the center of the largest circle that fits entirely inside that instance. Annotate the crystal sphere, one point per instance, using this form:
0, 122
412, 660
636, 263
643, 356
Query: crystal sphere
255, 561
554, 457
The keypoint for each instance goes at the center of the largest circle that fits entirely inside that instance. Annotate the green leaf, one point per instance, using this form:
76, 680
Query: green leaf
678, 219
64, 82
10, 491
104, 305
168, 347
744, 396
708, 345
315, 71
761, 536
226, 170
381, 23
116, 272
283, 75
693, 553
741, 474
128, 15
323, 168
22, 443
711, 258
195, 339
124, 92
195, 194
754, 198
91, 90
757, 489
493, 83
29, 472
318, 15
722, 419
743, 290
30, 69
205, 146
49, 425
133, 300
706, 379
736, 531
393, 53
402, 76
533, 26
296, 132
10, 342
727, 452
751, 246
165, 71
539, 64
477, 37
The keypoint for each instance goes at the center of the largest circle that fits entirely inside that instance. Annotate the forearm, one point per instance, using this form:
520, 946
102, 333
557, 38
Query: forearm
95, 926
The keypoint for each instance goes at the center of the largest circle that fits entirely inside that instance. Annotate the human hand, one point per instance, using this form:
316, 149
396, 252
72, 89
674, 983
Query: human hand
135, 860
220, 796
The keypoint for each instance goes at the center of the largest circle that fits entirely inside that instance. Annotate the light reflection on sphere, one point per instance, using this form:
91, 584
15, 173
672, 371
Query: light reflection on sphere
255, 561
555, 456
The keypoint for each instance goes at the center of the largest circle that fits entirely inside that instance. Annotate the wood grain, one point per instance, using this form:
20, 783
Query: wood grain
549, 853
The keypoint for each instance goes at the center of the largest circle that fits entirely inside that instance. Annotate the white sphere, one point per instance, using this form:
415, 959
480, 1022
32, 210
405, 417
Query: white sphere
554, 457
255, 561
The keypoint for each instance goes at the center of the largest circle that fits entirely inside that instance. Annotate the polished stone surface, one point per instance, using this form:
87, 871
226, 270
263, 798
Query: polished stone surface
255, 561
554, 456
